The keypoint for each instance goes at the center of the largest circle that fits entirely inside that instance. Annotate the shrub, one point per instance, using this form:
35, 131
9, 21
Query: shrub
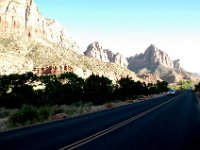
4, 112
57, 110
44, 113
26, 115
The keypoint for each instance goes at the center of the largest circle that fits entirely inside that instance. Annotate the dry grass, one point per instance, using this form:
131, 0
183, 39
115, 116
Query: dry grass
3, 123
73, 110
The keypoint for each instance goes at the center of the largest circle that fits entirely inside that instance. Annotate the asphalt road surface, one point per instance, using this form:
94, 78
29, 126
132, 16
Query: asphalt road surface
163, 123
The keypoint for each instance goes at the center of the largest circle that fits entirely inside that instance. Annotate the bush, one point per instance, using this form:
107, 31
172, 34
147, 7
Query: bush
44, 113
26, 115
57, 110
4, 112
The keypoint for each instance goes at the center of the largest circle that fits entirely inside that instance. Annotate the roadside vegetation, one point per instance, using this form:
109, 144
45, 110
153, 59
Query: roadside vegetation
27, 99
182, 85
197, 90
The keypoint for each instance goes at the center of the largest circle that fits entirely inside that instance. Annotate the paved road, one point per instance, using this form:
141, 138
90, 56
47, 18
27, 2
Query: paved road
167, 122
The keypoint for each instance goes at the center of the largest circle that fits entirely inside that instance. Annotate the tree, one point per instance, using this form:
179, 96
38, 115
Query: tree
162, 86
72, 87
126, 88
5, 84
197, 87
52, 92
98, 89
140, 88
184, 85
152, 88
16, 90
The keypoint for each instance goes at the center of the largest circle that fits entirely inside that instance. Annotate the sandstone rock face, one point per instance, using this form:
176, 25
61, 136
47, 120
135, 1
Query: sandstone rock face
30, 42
150, 59
22, 17
158, 63
95, 50
27, 39
52, 69
177, 64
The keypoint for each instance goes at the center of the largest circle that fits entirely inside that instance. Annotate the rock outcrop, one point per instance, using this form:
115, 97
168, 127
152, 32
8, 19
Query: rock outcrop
52, 69
22, 17
95, 50
30, 42
150, 59
155, 64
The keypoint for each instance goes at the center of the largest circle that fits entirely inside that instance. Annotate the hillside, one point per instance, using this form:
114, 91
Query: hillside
31, 42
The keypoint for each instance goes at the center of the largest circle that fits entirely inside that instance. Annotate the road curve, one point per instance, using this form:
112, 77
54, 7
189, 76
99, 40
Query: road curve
167, 122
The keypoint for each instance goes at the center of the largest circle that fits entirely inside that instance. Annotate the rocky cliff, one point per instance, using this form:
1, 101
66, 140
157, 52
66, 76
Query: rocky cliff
22, 17
155, 61
150, 59
30, 42
23, 33
95, 50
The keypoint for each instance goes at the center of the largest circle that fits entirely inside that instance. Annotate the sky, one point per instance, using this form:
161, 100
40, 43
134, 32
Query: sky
130, 26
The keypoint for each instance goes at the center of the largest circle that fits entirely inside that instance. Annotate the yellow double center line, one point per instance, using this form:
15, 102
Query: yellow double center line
112, 128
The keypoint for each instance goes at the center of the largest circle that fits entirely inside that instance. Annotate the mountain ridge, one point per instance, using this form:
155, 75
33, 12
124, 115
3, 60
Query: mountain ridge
151, 58
22, 18
159, 63
30, 42
95, 50
41, 45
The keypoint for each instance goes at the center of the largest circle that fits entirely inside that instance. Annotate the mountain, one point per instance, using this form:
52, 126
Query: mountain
31, 42
151, 59
95, 50
22, 18
157, 62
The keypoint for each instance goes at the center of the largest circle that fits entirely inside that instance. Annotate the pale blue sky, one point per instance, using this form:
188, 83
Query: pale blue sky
130, 26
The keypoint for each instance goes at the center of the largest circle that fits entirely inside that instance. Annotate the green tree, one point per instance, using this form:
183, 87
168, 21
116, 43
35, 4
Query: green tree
184, 85
98, 89
197, 87
152, 88
162, 86
126, 88
53, 90
5, 84
16, 90
72, 87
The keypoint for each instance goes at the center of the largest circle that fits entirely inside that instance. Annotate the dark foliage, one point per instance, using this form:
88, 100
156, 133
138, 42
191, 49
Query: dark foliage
98, 89
17, 90
197, 87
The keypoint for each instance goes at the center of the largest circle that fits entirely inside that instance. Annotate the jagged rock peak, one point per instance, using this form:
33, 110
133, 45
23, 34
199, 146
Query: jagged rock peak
157, 56
95, 46
157, 62
22, 17
152, 58
95, 50
152, 47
